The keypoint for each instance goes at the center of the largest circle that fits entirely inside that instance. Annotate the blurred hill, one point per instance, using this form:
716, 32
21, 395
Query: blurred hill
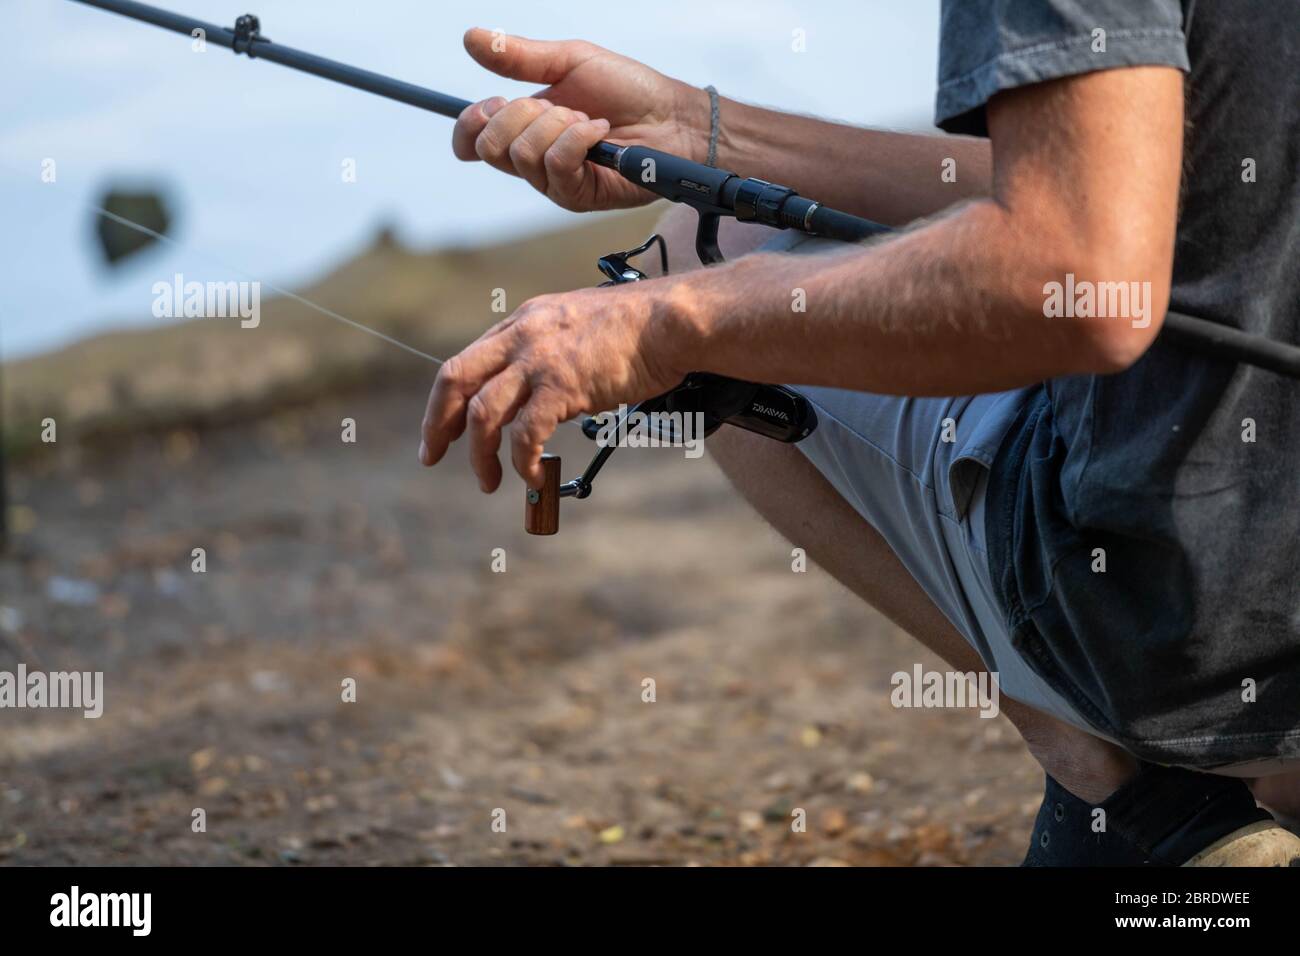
206, 371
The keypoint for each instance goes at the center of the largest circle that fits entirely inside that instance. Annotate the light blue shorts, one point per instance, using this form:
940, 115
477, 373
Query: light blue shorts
916, 470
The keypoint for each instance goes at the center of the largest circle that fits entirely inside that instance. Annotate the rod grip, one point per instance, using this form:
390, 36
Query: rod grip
542, 505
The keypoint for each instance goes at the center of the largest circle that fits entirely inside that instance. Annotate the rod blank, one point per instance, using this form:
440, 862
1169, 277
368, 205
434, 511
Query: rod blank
264, 49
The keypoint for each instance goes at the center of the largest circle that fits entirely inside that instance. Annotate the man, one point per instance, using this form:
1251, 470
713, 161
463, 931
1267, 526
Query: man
1113, 528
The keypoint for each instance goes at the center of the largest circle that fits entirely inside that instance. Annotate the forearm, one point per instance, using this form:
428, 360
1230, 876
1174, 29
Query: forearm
892, 178
954, 307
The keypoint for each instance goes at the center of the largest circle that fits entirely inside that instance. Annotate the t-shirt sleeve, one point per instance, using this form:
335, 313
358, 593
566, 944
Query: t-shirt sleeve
987, 46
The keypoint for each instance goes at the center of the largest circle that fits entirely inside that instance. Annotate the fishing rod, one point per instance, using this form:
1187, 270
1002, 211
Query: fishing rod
710, 190
771, 410
774, 411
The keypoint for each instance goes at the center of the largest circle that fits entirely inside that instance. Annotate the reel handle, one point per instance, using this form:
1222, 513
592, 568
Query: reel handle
542, 506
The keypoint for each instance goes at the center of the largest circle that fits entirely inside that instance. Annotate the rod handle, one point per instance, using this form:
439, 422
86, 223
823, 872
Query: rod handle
542, 505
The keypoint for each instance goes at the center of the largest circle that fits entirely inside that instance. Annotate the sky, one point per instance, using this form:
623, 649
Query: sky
251, 153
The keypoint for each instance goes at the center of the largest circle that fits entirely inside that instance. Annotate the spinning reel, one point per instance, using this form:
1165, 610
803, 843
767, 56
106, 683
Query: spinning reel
711, 400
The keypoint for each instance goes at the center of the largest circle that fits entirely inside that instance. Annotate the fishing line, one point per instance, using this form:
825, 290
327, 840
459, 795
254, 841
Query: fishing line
122, 220
287, 293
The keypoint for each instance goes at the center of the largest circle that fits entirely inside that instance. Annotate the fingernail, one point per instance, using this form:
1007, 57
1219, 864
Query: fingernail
581, 115
493, 106
547, 103
424, 453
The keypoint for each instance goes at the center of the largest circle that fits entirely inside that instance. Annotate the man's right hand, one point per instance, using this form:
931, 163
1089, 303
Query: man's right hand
592, 94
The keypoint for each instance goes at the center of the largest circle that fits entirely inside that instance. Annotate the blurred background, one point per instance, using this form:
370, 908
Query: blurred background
478, 689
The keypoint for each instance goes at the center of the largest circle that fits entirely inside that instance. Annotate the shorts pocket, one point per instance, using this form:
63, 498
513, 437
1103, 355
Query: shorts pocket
983, 427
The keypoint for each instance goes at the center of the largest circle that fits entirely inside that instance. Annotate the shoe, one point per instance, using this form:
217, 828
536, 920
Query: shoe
1265, 843
1163, 816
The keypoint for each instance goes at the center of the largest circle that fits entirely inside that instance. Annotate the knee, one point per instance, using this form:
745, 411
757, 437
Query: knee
760, 470
729, 447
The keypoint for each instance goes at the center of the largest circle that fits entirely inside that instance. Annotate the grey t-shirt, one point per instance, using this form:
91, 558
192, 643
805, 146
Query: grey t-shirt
1182, 472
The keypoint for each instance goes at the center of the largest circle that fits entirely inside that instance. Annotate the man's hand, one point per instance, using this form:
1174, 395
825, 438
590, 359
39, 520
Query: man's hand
592, 94
556, 357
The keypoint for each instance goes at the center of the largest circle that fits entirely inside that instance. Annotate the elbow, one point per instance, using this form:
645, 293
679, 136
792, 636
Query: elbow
1116, 346
1112, 307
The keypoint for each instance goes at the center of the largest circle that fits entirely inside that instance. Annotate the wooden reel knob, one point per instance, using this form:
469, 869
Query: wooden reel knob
542, 506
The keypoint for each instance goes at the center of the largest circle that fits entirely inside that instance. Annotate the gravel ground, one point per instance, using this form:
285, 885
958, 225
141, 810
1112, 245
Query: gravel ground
482, 698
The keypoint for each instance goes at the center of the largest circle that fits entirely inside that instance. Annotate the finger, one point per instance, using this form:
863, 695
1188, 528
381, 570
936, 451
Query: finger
567, 176
528, 151
493, 144
443, 418
470, 123
460, 377
535, 423
519, 58
490, 410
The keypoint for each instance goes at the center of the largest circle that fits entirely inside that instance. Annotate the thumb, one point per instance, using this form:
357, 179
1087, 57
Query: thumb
518, 58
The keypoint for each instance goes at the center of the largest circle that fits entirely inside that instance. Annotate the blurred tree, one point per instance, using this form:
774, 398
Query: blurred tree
143, 207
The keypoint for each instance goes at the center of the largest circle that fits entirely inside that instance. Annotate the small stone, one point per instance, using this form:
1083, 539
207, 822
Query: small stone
531, 796
862, 783
213, 786
321, 804
777, 811
834, 822
777, 781
451, 778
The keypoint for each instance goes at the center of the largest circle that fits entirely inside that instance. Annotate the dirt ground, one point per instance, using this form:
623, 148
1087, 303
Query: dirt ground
477, 691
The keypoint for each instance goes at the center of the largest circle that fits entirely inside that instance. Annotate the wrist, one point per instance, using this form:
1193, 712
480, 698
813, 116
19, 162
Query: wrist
694, 115
711, 318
